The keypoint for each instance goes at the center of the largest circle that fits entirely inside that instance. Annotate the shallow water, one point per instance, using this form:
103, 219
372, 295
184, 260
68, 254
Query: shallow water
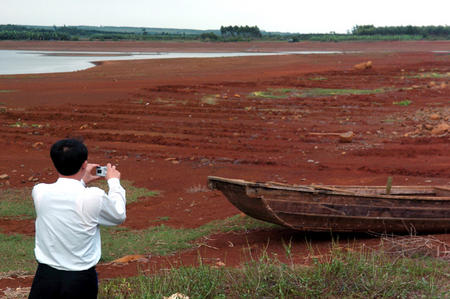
13, 62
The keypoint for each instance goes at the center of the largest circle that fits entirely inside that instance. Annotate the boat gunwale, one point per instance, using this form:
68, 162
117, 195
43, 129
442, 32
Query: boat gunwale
316, 189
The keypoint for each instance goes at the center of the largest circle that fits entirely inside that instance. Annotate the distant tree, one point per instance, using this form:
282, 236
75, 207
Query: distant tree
240, 31
209, 36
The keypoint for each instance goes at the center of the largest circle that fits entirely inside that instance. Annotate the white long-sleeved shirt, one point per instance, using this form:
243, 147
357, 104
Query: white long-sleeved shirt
68, 219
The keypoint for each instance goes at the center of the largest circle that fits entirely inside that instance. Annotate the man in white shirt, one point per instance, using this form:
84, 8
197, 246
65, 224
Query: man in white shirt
69, 214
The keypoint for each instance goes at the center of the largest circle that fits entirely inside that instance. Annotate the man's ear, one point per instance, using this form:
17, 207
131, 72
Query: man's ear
84, 165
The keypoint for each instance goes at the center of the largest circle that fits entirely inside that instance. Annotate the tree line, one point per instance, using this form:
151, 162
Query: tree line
226, 33
15, 32
425, 31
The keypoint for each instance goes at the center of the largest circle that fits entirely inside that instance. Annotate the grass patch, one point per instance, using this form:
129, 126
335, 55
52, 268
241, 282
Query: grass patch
273, 93
431, 75
282, 90
324, 92
17, 252
283, 93
319, 78
209, 100
17, 203
19, 124
7, 90
168, 102
163, 240
163, 218
345, 274
402, 103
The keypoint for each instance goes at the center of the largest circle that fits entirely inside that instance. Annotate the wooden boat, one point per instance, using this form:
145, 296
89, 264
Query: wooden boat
402, 209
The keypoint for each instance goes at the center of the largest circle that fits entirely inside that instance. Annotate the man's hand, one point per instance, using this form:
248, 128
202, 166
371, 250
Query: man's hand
112, 172
88, 177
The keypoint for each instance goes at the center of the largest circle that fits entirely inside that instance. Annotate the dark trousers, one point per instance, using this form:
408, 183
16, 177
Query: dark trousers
50, 283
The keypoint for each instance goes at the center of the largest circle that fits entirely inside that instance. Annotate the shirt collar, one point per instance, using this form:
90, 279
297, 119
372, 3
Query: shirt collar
69, 181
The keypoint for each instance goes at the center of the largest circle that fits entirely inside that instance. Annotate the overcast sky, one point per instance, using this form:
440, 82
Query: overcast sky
312, 16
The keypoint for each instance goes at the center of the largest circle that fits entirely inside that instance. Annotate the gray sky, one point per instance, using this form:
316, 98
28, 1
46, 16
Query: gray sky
312, 16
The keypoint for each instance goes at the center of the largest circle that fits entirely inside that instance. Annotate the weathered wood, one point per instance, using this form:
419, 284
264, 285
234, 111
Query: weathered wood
330, 188
340, 208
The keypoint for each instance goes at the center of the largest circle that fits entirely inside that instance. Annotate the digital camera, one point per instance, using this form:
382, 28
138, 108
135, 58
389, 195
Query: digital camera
100, 170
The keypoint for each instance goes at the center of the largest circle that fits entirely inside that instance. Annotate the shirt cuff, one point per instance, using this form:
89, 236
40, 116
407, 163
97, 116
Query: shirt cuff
113, 182
82, 182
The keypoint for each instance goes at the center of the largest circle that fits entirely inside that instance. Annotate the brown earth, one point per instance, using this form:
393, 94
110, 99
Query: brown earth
168, 124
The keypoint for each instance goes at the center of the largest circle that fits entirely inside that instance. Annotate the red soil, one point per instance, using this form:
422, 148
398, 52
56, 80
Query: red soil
168, 124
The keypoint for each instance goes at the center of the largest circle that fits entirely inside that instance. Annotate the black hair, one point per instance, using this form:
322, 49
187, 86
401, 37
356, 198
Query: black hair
68, 155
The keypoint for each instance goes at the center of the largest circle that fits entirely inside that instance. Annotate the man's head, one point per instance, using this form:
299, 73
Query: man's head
68, 155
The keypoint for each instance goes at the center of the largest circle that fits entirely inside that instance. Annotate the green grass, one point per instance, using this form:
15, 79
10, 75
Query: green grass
283, 93
273, 93
402, 103
324, 92
17, 253
19, 124
163, 240
17, 250
119, 241
342, 274
345, 274
6, 90
318, 78
390, 120
16, 203
431, 75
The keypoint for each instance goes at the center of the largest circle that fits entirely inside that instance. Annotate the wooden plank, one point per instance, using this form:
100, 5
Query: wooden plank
357, 210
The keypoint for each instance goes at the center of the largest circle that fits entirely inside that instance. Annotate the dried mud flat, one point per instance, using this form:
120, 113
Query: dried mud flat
168, 124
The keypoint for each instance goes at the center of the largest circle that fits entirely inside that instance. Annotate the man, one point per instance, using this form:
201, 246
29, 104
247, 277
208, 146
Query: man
67, 225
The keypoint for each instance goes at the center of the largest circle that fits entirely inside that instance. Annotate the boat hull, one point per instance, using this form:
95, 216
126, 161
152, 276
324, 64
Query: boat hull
338, 209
